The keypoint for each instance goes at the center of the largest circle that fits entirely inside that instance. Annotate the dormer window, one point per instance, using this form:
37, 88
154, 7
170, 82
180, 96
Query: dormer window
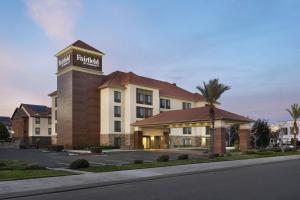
186, 105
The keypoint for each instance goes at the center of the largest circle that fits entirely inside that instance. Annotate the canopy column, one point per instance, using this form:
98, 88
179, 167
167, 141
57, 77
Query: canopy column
244, 137
219, 145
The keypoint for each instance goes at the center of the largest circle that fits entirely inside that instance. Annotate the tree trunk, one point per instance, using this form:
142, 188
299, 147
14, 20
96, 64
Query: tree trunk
295, 135
212, 128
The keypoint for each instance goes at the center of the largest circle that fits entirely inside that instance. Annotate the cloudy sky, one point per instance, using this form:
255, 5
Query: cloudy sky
252, 45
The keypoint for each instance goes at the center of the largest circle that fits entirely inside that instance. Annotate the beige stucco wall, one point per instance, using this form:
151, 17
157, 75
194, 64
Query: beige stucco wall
128, 108
196, 131
53, 109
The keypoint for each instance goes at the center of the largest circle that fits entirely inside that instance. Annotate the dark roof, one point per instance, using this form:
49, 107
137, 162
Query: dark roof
37, 110
190, 115
52, 93
5, 120
84, 45
120, 79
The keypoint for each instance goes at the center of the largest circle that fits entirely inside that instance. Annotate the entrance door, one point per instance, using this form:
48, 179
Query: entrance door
146, 142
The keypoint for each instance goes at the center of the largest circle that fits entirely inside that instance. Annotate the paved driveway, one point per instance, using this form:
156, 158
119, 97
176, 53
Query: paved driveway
62, 159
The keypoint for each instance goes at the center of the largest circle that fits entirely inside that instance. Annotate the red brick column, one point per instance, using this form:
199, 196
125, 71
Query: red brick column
220, 141
138, 139
244, 139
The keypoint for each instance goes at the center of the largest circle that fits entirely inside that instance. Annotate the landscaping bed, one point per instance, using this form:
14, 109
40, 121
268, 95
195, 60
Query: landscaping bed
14, 170
227, 157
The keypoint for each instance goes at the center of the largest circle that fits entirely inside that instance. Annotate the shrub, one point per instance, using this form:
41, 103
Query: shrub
138, 161
4, 134
183, 157
80, 163
228, 154
96, 149
57, 148
250, 152
213, 155
34, 167
163, 158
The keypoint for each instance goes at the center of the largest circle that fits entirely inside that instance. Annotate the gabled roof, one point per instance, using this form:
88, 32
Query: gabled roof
37, 110
32, 110
120, 79
84, 45
199, 114
5, 120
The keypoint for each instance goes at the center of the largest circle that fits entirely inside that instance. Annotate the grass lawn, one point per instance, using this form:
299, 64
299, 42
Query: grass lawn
13, 170
228, 157
6, 175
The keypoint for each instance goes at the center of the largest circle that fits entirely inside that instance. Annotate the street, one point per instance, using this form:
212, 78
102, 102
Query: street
272, 181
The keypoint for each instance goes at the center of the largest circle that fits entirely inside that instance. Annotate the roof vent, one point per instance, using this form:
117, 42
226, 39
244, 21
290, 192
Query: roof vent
174, 84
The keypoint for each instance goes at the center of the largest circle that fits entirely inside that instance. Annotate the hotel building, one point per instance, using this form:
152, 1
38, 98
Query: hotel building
127, 110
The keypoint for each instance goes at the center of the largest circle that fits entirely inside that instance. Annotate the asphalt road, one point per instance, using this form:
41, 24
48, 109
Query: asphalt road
273, 181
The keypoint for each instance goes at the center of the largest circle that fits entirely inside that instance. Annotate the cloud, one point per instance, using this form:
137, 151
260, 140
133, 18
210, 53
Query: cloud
56, 17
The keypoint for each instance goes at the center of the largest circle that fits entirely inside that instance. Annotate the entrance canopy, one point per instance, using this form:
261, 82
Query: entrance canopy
191, 116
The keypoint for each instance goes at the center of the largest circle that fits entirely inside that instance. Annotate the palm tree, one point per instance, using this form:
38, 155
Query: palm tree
295, 114
211, 92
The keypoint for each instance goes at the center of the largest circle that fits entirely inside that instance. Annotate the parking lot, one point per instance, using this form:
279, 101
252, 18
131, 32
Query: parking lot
63, 159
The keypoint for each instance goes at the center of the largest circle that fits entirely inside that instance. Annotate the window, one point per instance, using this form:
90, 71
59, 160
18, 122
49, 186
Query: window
285, 131
55, 115
49, 131
186, 105
55, 101
117, 126
142, 112
207, 130
49, 121
117, 111
55, 128
148, 99
37, 131
187, 130
165, 103
143, 96
37, 120
187, 142
117, 96
168, 104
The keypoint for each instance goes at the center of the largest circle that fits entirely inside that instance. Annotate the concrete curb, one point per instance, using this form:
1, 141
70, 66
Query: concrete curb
131, 180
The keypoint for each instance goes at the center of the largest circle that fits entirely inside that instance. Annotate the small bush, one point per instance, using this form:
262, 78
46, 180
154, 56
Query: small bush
22, 146
96, 149
250, 152
138, 161
213, 155
183, 157
163, 158
34, 167
80, 163
228, 154
56, 148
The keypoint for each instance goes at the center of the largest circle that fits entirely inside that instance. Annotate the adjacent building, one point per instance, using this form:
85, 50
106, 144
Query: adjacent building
285, 130
125, 109
32, 124
6, 121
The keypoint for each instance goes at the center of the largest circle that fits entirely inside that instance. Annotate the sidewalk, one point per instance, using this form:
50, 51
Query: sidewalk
54, 184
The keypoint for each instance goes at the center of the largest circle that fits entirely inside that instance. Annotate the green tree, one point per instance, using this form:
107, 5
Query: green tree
4, 134
233, 134
295, 114
262, 132
211, 92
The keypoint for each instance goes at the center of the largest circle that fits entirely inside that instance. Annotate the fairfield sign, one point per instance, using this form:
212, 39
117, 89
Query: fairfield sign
87, 60
80, 59
64, 60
